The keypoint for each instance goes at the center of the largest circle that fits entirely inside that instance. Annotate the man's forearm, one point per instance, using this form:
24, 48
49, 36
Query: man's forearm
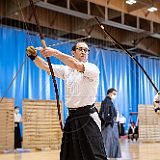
41, 63
69, 61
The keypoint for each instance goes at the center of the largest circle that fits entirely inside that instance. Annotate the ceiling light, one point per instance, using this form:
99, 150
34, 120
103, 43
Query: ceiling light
152, 9
130, 2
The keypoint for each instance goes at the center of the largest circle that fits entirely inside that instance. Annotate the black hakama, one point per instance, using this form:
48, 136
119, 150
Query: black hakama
82, 139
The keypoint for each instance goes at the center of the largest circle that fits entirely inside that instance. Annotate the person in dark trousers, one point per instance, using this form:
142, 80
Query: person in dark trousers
122, 121
82, 139
17, 134
108, 115
133, 132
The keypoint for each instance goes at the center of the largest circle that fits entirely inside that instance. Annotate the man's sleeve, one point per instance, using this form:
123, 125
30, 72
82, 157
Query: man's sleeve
91, 70
101, 111
59, 71
102, 114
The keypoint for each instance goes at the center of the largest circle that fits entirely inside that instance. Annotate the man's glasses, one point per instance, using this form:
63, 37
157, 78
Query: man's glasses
83, 49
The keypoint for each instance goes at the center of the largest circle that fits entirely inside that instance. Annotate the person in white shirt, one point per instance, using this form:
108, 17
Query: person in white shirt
17, 134
82, 139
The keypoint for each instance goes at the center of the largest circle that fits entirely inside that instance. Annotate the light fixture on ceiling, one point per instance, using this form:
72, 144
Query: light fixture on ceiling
152, 9
16, 13
130, 2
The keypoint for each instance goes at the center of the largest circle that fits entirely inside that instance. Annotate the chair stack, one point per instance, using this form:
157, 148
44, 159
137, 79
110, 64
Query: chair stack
149, 124
41, 128
6, 125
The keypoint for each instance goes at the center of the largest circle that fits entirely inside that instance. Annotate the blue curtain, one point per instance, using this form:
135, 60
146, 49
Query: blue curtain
117, 70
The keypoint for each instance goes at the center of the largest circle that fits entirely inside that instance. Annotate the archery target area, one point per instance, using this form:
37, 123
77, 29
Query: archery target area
123, 41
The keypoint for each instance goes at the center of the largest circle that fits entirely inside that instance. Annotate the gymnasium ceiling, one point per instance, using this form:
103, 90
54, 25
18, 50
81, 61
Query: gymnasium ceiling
137, 29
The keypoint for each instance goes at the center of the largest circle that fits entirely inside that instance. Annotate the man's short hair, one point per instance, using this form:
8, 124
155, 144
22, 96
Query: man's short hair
111, 90
75, 45
16, 107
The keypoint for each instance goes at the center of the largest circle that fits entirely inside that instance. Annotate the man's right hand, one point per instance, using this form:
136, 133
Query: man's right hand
31, 52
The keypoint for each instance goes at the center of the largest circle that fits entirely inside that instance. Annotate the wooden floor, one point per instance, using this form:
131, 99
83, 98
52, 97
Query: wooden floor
130, 151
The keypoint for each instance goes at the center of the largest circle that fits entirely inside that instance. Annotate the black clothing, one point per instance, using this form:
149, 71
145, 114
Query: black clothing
107, 112
82, 139
121, 129
110, 132
17, 136
133, 135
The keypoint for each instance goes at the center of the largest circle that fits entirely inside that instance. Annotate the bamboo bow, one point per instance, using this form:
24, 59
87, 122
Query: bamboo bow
134, 59
48, 60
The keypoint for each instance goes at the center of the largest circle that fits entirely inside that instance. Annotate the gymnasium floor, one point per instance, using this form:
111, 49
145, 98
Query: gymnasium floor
130, 151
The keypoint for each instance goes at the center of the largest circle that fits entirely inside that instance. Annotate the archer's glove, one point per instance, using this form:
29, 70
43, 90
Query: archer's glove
31, 52
157, 109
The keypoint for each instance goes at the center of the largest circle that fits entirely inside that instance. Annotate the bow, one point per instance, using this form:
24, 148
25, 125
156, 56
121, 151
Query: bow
132, 57
48, 60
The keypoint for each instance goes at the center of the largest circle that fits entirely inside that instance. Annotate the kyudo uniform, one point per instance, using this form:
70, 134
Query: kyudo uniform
82, 139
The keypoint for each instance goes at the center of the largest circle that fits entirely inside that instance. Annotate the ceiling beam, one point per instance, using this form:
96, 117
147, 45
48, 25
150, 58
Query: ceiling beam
12, 7
62, 10
135, 7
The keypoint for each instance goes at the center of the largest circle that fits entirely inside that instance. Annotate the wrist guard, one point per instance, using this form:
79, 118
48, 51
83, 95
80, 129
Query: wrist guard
31, 52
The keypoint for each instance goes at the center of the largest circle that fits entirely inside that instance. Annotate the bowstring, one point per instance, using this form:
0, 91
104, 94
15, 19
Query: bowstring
8, 88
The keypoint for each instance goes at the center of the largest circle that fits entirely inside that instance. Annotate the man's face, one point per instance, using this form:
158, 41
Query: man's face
81, 52
132, 124
112, 95
16, 110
